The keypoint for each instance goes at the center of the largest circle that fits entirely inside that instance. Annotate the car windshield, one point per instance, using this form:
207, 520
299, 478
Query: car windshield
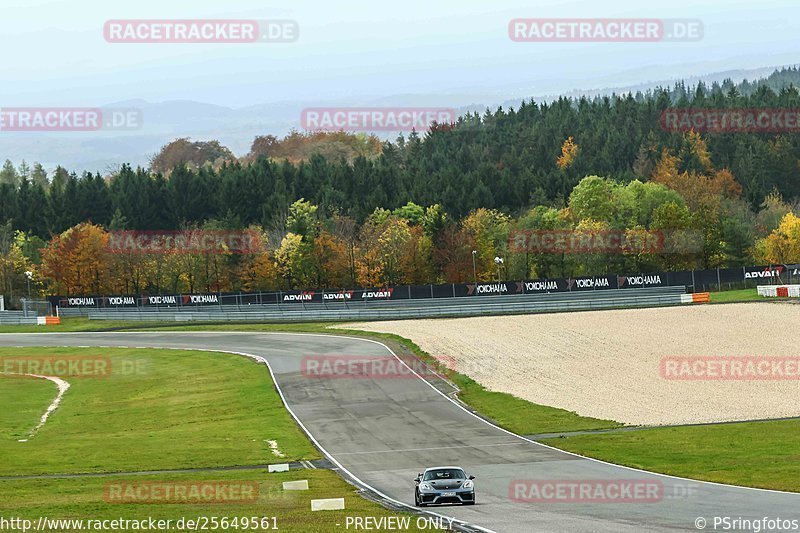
444, 473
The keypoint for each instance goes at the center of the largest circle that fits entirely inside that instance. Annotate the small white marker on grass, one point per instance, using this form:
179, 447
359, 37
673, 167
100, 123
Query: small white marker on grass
327, 504
301, 484
278, 468
273, 446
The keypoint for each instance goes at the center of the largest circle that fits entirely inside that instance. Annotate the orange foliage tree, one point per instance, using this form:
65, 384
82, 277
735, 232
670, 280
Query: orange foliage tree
78, 261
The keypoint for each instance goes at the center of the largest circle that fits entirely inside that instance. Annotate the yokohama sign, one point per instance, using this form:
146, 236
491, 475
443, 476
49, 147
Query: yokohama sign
648, 280
591, 283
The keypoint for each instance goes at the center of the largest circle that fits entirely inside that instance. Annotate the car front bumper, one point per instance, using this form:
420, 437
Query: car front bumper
447, 496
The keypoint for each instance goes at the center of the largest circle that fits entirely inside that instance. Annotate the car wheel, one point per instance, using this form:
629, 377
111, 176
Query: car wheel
417, 501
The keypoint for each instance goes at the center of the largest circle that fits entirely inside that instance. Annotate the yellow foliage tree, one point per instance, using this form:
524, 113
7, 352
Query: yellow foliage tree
13, 264
783, 244
569, 151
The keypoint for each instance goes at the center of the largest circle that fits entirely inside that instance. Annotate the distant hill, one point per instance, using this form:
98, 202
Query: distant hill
236, 128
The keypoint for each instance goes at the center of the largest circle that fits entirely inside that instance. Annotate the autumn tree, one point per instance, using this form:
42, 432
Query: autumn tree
330, 260
569, 151
293, 260
783, 244
184, 152
488, 230
14, 263
77, 261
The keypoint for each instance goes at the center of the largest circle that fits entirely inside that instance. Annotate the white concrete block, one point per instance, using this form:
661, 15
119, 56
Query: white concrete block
327, 504
301, 484
278, 468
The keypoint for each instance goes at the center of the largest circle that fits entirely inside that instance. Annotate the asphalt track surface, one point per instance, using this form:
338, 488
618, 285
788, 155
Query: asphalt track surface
381, 431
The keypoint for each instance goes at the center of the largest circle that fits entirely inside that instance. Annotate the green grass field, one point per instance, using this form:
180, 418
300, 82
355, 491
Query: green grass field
755, 454
30, 398
157, 409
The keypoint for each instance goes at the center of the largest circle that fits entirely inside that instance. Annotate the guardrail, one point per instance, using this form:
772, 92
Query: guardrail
16, 318
403, 309
281, 308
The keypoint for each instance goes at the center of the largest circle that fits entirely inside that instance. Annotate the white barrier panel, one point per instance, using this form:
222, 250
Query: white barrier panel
793, 291
296, 485
766, 290
328, 504
41, 321
278, 468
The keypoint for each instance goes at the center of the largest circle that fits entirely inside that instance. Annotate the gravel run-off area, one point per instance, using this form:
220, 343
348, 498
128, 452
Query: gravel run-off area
611, 364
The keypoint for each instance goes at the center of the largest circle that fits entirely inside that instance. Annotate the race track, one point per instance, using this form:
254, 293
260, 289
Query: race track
383, 431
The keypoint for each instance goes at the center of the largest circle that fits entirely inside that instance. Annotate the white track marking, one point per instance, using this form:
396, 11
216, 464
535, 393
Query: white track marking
273, 446
62, 388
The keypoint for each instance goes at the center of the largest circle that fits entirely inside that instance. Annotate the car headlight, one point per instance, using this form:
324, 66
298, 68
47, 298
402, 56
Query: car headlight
468, 484
425, 486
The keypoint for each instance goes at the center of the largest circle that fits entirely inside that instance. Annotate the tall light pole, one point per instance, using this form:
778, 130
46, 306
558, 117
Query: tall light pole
29, 275
498, 261
474, 271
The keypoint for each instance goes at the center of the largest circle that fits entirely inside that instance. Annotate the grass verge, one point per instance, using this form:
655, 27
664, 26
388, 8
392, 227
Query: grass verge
85, 498
737, 295
754, 454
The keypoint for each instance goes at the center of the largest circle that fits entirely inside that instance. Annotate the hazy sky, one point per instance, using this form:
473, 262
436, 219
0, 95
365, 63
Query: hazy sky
54, 53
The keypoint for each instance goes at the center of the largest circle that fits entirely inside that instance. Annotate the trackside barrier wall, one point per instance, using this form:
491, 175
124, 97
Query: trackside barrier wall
696, 281
16, 318
450, 307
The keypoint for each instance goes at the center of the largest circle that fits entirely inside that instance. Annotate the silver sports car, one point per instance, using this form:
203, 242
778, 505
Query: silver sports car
444, 484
